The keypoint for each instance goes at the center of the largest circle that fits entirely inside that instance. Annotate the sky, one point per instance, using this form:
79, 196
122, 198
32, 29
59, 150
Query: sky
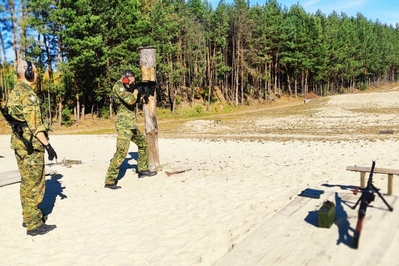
386, 11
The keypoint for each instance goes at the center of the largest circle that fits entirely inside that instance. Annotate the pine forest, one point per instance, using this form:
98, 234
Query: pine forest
233, 51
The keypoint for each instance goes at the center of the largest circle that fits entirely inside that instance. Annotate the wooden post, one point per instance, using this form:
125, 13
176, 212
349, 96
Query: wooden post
147, 66
390, 181
147, 63
362, 179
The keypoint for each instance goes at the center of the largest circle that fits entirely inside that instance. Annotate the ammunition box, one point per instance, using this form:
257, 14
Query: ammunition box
326, 214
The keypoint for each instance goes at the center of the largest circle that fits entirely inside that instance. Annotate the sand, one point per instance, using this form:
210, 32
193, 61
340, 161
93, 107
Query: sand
236, 203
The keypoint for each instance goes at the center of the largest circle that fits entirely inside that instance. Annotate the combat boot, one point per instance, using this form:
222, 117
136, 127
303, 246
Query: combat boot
41, 230
146, 173
111, 186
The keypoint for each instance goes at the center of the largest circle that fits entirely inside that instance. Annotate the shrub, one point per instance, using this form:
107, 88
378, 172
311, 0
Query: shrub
198, 109
66, 117
178, 99
362, 86
104, 112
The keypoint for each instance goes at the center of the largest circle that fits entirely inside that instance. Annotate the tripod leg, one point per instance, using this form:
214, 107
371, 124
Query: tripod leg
354, 207
379, 194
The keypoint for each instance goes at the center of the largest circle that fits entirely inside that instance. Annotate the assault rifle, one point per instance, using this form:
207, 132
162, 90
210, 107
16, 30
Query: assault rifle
365, 199
145, 89
17, 128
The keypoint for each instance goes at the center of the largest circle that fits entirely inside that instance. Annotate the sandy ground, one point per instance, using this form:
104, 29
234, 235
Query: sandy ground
234, 194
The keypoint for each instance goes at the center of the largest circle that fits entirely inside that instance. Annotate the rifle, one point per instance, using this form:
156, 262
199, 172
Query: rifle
17, 128
365, 199
144, 88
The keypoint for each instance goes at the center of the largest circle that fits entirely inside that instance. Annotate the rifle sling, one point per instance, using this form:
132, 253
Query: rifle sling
17, 128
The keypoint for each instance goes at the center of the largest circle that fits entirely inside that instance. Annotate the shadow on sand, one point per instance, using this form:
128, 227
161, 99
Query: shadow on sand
342, 222
53, 189
126, 165
341, 219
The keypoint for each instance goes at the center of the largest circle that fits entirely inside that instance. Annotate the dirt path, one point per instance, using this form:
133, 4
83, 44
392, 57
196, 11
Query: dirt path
336, 117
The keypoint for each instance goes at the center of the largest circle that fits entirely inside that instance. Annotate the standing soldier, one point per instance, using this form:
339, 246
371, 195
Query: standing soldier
29, 139
127, 130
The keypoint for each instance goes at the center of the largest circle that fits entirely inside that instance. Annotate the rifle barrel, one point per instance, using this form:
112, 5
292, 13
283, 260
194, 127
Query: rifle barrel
370, 181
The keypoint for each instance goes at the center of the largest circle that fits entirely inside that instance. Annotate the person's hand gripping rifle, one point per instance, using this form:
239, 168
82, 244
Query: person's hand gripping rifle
144, 90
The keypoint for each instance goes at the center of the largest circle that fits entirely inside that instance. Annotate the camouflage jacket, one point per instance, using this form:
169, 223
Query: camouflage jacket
24, 106
124, 102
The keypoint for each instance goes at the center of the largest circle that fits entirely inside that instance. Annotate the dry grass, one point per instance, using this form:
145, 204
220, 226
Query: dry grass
88, 126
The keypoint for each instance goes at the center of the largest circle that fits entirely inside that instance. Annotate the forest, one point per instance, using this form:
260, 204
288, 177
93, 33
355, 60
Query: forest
237, 52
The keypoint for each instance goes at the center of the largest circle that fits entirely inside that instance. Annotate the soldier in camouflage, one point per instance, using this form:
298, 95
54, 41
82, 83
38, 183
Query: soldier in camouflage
127, 130
29, 140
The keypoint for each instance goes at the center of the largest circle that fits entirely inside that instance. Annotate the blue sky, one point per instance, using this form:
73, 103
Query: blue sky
386, 11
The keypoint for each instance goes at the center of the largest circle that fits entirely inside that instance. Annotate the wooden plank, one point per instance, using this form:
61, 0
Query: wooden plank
13, 177
9, 177
292, 237
376, 170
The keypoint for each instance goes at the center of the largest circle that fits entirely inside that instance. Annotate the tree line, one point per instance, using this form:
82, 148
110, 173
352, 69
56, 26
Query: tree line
245, 52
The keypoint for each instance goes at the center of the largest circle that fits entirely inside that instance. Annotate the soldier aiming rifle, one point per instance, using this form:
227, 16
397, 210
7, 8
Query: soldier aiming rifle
125, 95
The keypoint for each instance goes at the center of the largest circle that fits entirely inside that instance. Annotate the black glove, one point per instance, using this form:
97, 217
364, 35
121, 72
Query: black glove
130, 87
51, 152
140, 90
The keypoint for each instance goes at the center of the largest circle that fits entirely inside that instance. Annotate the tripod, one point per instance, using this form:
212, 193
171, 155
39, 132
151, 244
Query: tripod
365, 199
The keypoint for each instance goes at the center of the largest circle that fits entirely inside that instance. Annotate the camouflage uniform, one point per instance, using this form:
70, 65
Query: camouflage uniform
127, 130
24, 106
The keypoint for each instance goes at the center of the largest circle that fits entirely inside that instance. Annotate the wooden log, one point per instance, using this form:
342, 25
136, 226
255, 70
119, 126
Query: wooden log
168, 173
148, 66
151, 130
147, 63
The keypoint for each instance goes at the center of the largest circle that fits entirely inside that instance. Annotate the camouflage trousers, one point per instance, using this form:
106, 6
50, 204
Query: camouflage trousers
33, 185
122, 147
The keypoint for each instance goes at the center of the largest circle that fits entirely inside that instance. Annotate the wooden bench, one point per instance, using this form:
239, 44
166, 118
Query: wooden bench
366, 169
13, 176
